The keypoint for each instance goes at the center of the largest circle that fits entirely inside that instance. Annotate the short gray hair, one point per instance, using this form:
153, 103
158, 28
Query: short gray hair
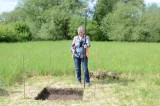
80, 28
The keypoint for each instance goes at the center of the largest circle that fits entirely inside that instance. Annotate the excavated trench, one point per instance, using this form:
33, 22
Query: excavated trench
71, 93
61, 94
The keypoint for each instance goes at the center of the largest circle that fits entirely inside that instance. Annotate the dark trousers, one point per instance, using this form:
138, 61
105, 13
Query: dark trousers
78, 61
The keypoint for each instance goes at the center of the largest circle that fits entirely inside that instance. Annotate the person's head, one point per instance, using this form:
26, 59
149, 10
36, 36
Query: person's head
81, 30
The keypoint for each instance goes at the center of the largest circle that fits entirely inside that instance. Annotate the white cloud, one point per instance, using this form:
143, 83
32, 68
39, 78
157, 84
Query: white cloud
148, 2
7, 5
152, 1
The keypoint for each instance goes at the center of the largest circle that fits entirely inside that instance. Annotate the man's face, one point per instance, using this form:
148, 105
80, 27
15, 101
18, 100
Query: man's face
80, 33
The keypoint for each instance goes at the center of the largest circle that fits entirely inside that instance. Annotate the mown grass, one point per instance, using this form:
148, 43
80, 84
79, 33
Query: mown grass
54, 58
129, 90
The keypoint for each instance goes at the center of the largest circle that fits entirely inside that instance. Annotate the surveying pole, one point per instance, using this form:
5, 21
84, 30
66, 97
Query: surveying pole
85, 22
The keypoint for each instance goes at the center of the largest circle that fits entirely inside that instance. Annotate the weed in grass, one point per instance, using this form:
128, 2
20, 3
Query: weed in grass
157, 82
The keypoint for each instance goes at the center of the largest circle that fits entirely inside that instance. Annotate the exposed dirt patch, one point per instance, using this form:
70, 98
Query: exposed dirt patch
62, 94
96, 93
3, 92
128, 90
104, 74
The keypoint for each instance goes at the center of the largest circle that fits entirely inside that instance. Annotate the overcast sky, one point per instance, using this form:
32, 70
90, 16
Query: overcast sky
9, 5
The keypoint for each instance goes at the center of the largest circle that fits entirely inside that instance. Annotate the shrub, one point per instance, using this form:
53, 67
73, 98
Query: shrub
23, 31
7, 33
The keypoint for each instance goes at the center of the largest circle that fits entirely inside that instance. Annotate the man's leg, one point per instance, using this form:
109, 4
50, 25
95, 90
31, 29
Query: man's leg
85, 68
77, 62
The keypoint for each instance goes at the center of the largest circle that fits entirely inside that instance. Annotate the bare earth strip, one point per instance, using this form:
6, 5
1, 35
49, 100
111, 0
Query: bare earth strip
96, 93
107, 92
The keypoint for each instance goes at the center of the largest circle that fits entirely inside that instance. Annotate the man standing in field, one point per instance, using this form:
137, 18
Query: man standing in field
77, 48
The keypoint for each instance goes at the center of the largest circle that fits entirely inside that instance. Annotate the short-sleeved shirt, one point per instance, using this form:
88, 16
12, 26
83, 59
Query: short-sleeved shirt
78, 45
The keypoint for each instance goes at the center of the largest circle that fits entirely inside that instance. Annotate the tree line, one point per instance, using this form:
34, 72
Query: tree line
109, 20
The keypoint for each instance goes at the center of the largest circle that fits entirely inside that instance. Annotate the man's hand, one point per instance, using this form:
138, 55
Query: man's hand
73, 51
85, 46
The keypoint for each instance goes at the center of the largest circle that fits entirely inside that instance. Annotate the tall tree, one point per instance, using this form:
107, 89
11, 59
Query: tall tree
150, 24
17, 15
42, 13
119, 25
102, 8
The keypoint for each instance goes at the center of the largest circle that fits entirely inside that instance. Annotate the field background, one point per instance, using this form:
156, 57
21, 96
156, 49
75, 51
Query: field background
50, 63
54, 58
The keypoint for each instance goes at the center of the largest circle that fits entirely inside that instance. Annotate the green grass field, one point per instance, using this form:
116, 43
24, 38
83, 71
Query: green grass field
50, 63
55, 58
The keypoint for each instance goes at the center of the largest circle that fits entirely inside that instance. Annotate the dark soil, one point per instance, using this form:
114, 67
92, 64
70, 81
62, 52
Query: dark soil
104, 74
63, 94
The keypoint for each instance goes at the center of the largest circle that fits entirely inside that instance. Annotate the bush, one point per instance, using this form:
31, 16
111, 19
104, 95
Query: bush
23, 31
17, 32
44, 33
93, 31
7, 34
